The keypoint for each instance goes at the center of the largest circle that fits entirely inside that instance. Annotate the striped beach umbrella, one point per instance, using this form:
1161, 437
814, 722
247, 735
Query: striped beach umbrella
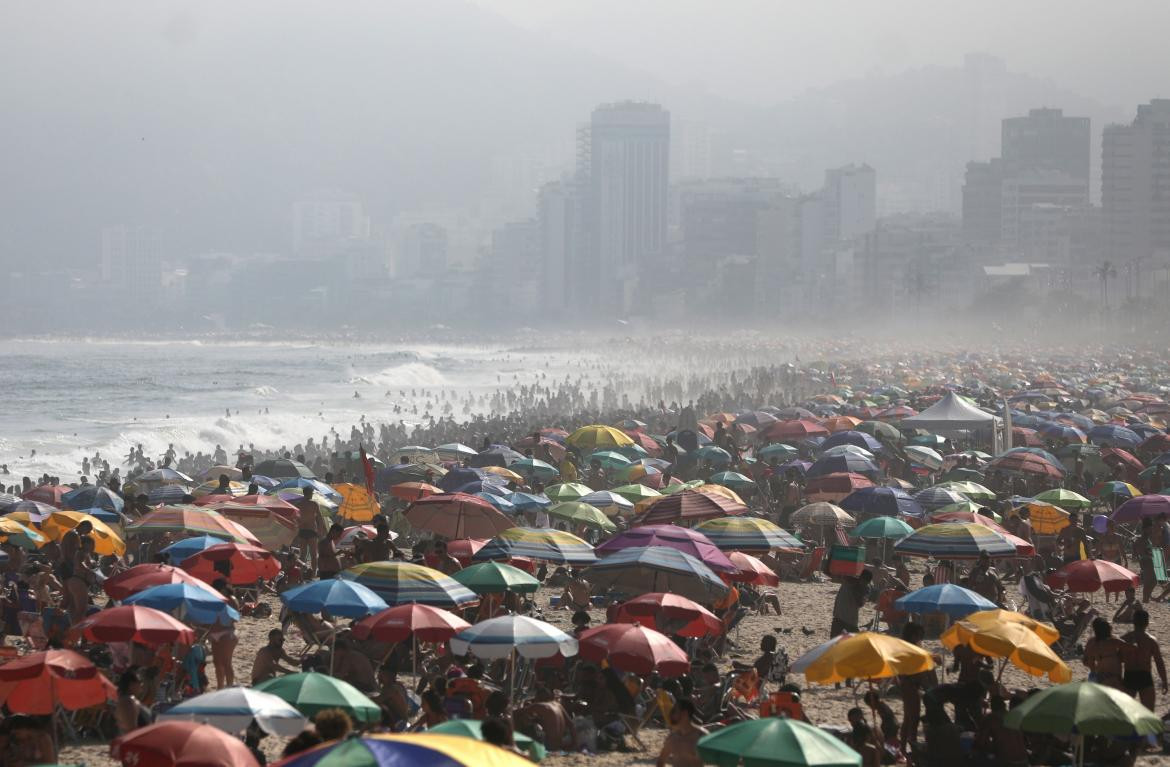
401, 582
540, 543
687, 540
822, 514
747, 534
500, 637
20, 535
232, 709
211, 488
936, 497
419, 750
689, 506
972, 490
1065, 499
954, 540
274, 528
457, 515
190, 521
643, 569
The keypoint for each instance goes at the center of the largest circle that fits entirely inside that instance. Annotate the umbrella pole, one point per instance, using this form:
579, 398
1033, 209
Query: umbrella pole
414, 653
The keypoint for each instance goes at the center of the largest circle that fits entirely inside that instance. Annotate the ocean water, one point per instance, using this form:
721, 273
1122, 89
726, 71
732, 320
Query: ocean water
66, 399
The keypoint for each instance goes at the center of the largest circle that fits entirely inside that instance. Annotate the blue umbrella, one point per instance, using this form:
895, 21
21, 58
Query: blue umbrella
105, 515
847, 462
713, 454
1055, 430
187, 547
499, 501
348, 599
1082, 422
1114, 436
186, 602
855, 438
319, 487
528, 501
955, 601
263, 482
482, 486
93, 496
457, 478
883, 501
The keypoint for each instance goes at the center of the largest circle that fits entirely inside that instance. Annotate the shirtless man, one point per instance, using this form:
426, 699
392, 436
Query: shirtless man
576, 594
554, 720
310, 526
1072, 538
680, 747
351, 666
327, 562
1143, 649
984, 580
1104, 655
268, 658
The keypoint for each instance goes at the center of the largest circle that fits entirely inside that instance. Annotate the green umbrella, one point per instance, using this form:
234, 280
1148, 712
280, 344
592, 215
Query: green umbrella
733, 479
1065, 499
962, 506
1083, 708
672, 489
779, 450
890, 528
775, 742
496, 578
473, 728
610, 459
567, 491
582, 514
636, 492
881, 430
310, 692
929, 440
533, 467
963, 474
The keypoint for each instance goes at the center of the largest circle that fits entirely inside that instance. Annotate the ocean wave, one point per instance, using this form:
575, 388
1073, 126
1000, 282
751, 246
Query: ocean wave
410, 375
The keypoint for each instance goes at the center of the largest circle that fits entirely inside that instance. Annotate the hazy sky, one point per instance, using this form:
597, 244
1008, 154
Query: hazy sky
760, 50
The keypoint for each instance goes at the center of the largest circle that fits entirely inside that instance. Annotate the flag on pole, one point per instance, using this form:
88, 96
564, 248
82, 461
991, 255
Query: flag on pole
368, 470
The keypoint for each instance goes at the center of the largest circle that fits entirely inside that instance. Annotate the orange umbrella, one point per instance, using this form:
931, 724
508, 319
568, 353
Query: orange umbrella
752, 570
666, 612
38, 683
142, 577
248, 563
413, 491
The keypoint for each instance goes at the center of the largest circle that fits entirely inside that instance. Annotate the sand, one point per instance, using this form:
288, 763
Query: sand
807, 606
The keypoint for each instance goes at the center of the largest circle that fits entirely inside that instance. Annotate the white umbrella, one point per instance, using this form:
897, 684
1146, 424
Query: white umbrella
232, 709
509, 635
924, 456
848, 450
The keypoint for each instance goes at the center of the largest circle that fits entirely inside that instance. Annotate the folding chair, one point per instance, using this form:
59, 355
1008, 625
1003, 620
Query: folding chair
314, 638
812, 563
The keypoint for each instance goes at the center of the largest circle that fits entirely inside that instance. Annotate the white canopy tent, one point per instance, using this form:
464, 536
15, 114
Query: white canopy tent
952, 414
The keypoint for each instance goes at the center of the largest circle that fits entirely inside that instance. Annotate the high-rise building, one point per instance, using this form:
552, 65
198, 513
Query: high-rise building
983, 201
131, 260
561, 244
626, 207
325, 220
1135, 187
850, 197
1046, 141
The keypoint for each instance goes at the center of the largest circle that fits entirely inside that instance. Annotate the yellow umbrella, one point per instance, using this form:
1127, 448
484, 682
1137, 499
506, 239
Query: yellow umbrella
958, 633
356, 504
105, 540
596, 437
1046, 519
1020, 646
726, 492
14, 532
507, 474
868, 656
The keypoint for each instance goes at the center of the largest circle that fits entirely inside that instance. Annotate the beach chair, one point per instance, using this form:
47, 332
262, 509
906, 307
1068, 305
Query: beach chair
315, 638
812, 563
32, 626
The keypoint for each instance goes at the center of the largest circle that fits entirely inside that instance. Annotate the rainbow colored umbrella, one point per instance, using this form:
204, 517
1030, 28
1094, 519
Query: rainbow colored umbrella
544, 544
684, 539
20, 535
417, 750
401, 582
747, 534
1065, 499
189, 521
954, 540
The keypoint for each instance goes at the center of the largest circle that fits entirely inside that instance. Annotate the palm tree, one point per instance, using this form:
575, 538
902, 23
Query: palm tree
1103, 273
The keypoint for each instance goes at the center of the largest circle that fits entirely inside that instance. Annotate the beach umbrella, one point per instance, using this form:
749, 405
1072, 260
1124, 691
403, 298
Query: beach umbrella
496, 455
499, 502
496, 578
954, 540
687, 540
1065, 499
1084, 708
413, 491
410, 621
455, 450
947, 598
354, 533
194, 604
298, 484
795, 430
777, 450
141, 577
882, 501
934, 442
835, 486
713, 454
843, 464
248, 563
164, 475
334, 596
867, 655
567, 491
1025, 463
431, 473
20, 535
933, 498
357, 504
51, 495
688, 506
633, 648
181, 744
167, 494
421, 749
532, 467
775, 742
500, 637
210, 492
852, 438
213, 474
958, 633
457, 515
473, 728
972, 490
40, 682
924, 456
845, 450
1045, 518
610, 502
134, 623
635, 493
401, 582
311, 693
233, 709
734, 480
1112, 490
1018, 645
528, 501
723, 491
885, 528
283, 468
1111, 435
190, 521
274, 528
30, 512
822, 514
7, 500
963, 507
1142, 506
106, 541
539, 543
609, 459
578, 513
881, 430
507, 475
91, 497
752, 534
644, 569
751, 570
671, 614
597, 437
1088, 575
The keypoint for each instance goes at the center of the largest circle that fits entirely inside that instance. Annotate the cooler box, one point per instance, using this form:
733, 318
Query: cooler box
846, 560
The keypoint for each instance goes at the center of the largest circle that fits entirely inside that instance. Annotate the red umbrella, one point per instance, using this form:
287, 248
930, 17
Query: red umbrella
665, 612
634, 648
142, 577
38, 683
134, 623
752, 570
181, 744
1093, 575
463, 549
1025, 463
689, 506
248, 563
645, 441
786, 431
1156, 443
896, 413
457, 515
422, 622
1023, 437
834, 487
413, 491
268, 502
1115, 456
50, 494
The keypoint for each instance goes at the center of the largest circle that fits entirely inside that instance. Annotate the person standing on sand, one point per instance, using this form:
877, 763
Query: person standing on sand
310, 526
680, 749
1104, 654
1142, 652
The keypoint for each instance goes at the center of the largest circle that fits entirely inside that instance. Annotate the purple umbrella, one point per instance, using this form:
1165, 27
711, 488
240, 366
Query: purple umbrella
674, 537
1142, 506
